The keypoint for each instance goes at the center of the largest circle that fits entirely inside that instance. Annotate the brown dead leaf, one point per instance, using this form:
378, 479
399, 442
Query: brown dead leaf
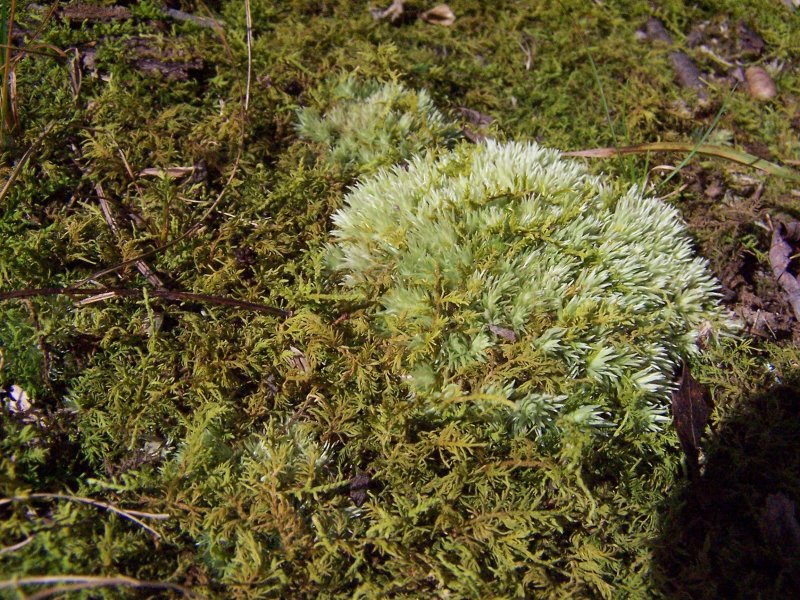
358, 488
95, 14
691, 408
780, 525
687, 74
168, 172
473, 136
780, 257
760, 84
655, 31
393, 12
441, 14
475, 117
750, 43
298, 360
503, 332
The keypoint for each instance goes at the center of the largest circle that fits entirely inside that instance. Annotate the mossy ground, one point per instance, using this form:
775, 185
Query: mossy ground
258, 434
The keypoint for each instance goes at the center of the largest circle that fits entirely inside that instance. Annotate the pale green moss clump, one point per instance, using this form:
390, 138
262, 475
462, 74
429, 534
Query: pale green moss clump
502, 274
367, 125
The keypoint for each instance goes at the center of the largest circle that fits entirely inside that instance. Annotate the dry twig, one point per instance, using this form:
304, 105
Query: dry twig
131, 515
86, 582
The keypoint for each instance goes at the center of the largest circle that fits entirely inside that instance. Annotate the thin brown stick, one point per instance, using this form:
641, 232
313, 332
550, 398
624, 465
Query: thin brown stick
136, 293
128, 169
125, 514
5, 94
249, 24
725, 152
15, 547
90, 581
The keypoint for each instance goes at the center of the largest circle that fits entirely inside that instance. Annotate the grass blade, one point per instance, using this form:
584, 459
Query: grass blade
725, 152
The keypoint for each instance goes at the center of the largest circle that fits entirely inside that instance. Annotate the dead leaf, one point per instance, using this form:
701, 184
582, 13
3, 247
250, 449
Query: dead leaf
95, 14
358, 488
441, 14
691, 408
793, 231
688, 74
780, 256
780, 526
656, 31
393, 12
760, 84
749, 41
475, 117
298, 360
168, 172
503, 332
473, 136
164, 57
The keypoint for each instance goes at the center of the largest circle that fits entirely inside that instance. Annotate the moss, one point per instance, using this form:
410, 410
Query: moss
368, 125
289, 454
504, 271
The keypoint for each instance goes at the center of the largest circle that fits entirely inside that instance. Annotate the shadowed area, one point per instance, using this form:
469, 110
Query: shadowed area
734, 532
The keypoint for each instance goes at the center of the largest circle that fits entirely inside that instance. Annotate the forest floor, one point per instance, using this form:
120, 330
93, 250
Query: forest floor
154, 158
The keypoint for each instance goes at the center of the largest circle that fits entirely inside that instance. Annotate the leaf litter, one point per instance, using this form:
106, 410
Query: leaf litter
691, 409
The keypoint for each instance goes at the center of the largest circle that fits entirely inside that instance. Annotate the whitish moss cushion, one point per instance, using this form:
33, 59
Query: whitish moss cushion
364, 125
502, 274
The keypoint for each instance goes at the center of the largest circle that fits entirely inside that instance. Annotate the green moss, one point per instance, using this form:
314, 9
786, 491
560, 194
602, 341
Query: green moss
252, 433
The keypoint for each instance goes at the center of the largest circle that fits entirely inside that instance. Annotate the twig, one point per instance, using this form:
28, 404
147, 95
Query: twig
725, 152
136, 293
15, 547
249, 24
525, 46
174, 14
88, 581
128, 168
131, 515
